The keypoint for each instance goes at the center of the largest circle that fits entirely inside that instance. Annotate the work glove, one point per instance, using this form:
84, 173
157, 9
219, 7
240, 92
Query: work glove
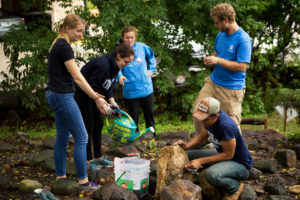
109, 112
114, 106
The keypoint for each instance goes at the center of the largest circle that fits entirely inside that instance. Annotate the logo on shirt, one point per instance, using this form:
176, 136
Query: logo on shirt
214, 140
138, 60
107, 83
230, 48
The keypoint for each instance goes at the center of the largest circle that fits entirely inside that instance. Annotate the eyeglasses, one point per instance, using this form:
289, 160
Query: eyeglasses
126, 62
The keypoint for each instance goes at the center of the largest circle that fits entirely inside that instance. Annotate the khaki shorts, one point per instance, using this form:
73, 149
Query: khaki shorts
230, 100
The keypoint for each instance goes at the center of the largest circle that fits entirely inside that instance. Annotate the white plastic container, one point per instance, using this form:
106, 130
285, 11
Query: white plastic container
132, 173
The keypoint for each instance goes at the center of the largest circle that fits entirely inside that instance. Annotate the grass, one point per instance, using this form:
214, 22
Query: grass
164, 123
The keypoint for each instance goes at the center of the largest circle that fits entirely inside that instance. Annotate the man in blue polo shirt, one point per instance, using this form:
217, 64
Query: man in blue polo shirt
230, 161
231, 57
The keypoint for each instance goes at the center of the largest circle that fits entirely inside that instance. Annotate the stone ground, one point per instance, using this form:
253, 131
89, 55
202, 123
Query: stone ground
262, 144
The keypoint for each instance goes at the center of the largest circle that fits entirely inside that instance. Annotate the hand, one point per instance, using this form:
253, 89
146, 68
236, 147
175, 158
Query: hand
114, 106
109, 112
181, 143
211, 60
149, 73
121, 80
194, 164
101, 103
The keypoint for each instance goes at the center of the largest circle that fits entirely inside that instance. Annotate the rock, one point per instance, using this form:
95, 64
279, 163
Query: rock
209, 191
65, 186
294, 189
279, 197
286, 158
5, 147
49, 142
275, 186
181, 189
104, 176
296, 148
255, 173
248, 193
113, 191
4, 182
35, 143
28, 186
122, 151
49, 164
266, 165
170, 164
5, 166
41, 157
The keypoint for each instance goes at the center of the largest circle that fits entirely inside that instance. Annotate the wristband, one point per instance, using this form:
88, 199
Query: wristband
97, 97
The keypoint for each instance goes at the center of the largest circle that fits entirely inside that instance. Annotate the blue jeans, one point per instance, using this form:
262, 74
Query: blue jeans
68, 121
224, 174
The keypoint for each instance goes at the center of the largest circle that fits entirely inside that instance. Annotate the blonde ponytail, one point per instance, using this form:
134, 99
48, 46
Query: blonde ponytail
72, 21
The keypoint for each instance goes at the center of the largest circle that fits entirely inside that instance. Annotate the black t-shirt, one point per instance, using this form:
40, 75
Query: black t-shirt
101, 73
60, 80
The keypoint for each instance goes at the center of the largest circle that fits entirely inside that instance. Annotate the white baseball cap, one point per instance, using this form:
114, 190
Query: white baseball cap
208, 106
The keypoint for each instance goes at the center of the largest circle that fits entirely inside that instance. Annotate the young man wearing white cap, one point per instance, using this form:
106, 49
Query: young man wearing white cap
230, 161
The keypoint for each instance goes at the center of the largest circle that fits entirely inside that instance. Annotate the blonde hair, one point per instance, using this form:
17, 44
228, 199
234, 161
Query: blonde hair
127, 29
71, 21
223, 11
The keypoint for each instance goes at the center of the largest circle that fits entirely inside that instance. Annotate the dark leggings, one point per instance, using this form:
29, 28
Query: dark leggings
93, 123
147, 104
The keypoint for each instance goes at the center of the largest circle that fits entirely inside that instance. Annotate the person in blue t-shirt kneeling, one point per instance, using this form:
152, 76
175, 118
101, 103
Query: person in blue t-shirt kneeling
230, 161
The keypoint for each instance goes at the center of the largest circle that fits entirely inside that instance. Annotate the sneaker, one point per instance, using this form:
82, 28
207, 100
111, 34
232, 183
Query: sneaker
93, 166
88, 186
105, 162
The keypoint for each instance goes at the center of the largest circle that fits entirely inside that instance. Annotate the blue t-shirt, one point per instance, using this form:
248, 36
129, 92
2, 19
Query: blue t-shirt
226, 129
235, 47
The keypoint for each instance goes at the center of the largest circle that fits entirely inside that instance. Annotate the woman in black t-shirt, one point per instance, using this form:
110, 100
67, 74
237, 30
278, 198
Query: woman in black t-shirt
62, 72
100, 73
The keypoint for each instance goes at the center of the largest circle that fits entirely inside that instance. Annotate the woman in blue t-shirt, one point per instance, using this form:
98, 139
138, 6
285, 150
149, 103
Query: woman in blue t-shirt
136, 79
62, 72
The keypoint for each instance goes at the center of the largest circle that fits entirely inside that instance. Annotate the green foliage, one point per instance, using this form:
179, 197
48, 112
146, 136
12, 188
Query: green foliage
168, 27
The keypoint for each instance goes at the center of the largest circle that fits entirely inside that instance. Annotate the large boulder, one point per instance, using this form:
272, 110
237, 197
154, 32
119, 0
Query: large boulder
170, 166
181, 189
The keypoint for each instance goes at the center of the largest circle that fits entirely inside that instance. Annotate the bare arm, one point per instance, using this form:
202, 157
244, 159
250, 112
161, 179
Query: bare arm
230, 65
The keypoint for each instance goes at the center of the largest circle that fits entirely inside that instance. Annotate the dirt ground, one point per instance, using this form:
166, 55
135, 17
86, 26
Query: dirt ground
23, 170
